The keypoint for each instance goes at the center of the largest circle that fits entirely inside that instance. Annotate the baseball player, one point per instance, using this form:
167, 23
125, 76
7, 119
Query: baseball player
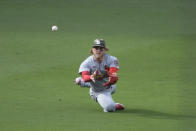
99, 73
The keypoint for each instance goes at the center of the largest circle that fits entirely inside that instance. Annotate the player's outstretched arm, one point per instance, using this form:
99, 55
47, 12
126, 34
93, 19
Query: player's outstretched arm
112, 75
87, 77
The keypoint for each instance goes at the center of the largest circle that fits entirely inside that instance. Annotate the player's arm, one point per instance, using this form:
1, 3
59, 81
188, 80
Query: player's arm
84, 70
87, 77
112, 75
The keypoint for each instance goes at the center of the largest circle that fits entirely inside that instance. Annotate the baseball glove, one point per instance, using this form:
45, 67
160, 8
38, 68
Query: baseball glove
113, 78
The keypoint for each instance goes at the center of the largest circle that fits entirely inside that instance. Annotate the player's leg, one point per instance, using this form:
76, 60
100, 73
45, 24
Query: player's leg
80, 81
93, 95
106, 102
112, 89
118, 105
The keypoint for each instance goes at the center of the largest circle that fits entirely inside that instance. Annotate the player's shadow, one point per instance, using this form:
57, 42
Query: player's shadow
157, 114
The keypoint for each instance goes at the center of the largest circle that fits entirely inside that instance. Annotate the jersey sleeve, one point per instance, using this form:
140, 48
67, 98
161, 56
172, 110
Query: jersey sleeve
84, 67
113, 62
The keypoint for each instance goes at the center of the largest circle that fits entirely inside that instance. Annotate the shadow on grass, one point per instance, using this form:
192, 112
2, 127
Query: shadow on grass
156, 114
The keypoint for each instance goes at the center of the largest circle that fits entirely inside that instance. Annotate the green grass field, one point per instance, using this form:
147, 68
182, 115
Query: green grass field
154, 41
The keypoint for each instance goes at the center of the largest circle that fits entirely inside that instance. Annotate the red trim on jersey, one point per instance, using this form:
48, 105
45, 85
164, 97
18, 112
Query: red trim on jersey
86, 76
113, 70
113, 78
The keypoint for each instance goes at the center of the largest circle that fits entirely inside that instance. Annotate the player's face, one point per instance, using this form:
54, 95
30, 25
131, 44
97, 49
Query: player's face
98, 52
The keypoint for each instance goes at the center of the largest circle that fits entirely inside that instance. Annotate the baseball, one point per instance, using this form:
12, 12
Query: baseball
54, 28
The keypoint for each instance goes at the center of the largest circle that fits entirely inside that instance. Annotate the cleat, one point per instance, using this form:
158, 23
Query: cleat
79, 81
119, 106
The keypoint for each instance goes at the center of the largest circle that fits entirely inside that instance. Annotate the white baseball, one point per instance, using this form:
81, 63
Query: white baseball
54, 28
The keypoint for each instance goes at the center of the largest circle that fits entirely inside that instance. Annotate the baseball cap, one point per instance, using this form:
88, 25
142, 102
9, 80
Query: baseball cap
99, 42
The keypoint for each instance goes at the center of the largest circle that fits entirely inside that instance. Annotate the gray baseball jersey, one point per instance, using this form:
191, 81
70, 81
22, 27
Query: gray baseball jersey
91, 65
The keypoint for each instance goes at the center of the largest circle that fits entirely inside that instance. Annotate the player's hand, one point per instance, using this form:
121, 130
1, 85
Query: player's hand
93, 76
113, 78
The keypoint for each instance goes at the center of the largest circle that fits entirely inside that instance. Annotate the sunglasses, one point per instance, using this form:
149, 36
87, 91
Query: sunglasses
99, 48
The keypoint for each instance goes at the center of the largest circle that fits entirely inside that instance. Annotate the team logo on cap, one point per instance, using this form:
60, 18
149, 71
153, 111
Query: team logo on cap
97, 42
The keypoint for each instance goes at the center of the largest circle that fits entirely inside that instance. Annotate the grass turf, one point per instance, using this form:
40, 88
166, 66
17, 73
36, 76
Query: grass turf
153, 40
